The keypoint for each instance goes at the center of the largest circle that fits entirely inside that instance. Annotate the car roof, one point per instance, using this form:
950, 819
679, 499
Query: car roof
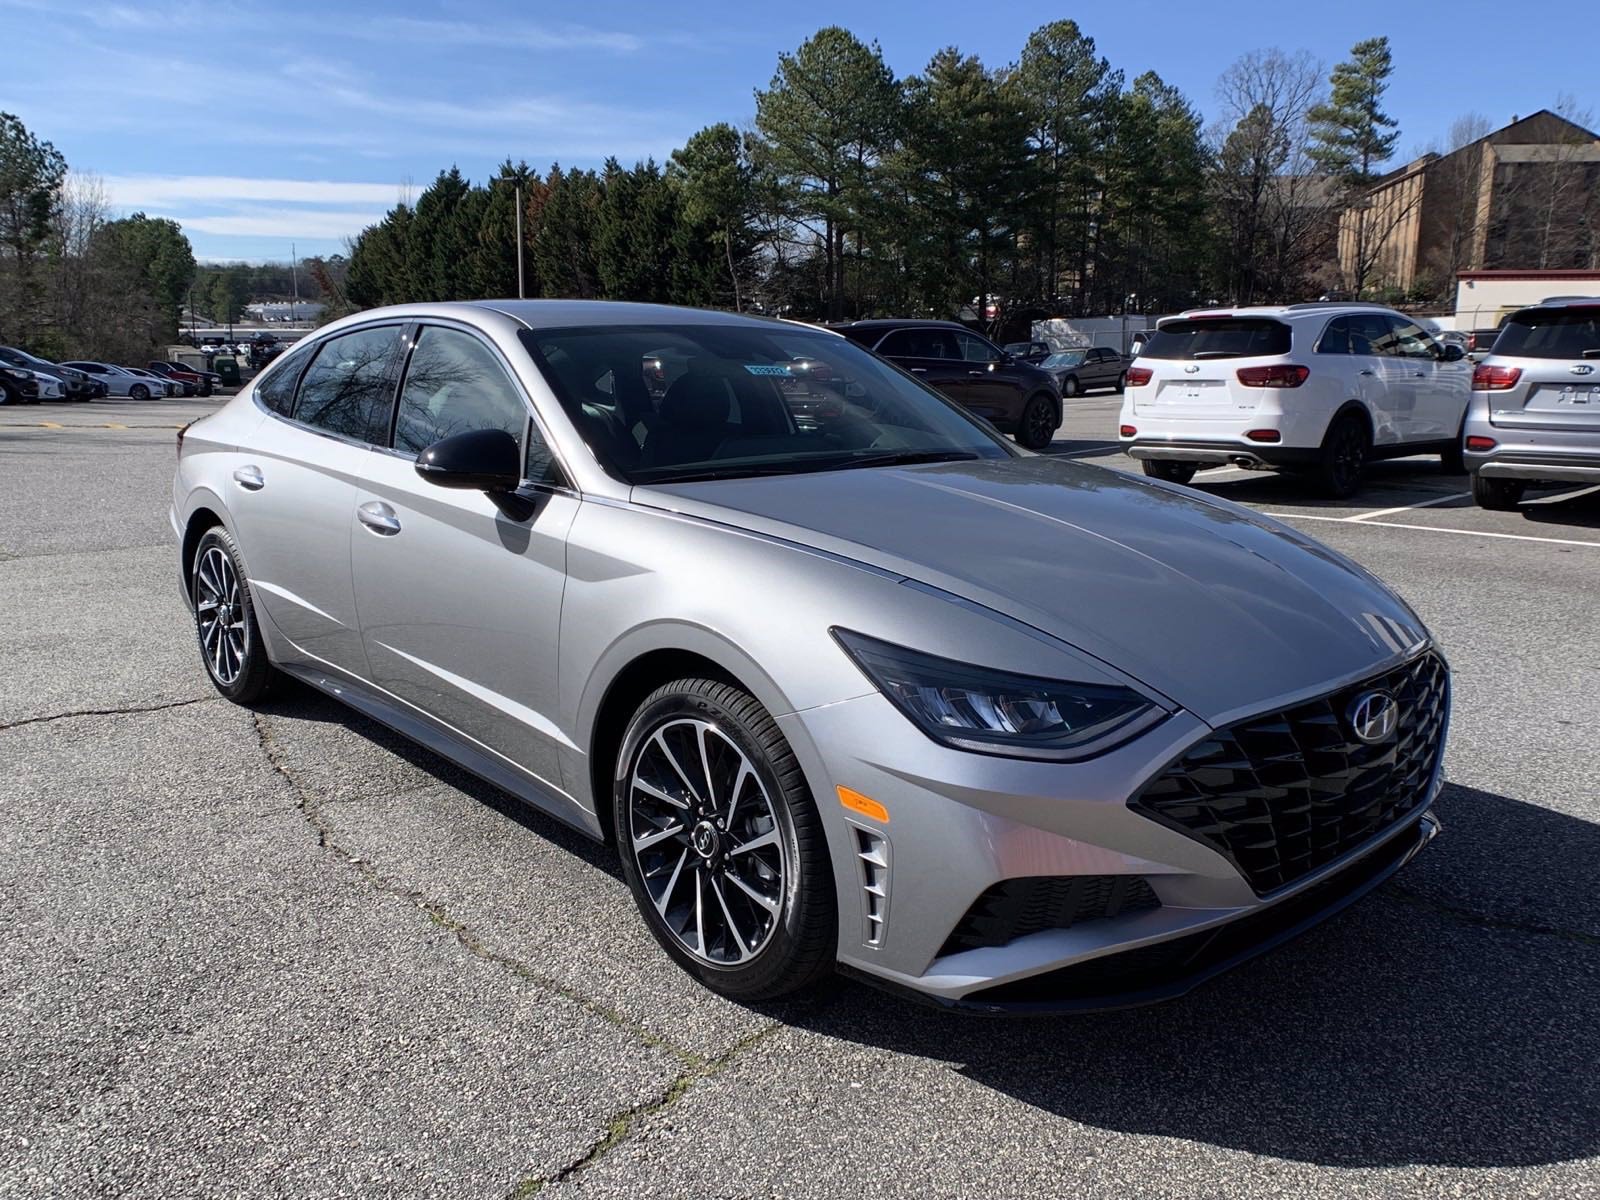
888, 323
1286, 312
1564, 302
558, 314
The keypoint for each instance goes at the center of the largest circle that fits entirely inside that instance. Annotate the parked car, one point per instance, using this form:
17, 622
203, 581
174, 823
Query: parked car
1535, 411
1015, 397
157, 384
1319, 388
1481, 341
1028, 352
188, 380
1079, 371
18, 386
74, 384
121, 381
749, 653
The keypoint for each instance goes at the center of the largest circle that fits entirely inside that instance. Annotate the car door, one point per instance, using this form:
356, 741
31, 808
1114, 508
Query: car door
1380, 377
994, 386
459, 593
931, 354
1441, 389
292, 496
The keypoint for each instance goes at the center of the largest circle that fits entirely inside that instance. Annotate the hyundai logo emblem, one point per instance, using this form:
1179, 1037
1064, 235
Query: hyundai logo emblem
1373, 717
1583, 369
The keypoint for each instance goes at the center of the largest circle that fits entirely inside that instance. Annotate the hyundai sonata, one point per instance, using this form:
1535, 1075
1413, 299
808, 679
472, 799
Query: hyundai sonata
848, 679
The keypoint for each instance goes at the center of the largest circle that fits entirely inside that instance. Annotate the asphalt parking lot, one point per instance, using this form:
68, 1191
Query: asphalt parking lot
283, 953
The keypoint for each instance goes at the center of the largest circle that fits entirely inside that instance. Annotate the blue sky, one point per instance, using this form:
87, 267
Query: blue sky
257, 124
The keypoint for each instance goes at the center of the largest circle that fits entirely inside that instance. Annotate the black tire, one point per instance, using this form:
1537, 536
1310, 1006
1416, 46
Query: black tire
1071, 387
1344, 457
1039, 422
1453, 460
1497, 495
205, 389
798, 946
1170, 471
1122, 382
255, 675
138, 392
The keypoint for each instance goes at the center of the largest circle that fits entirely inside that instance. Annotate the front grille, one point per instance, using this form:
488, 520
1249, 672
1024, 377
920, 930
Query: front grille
1282, 794
1014, 908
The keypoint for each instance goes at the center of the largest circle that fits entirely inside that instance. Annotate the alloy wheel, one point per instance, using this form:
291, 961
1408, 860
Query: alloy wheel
705, 837
220, 612
1349, 455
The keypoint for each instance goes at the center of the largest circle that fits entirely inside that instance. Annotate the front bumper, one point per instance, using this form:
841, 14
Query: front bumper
960, 825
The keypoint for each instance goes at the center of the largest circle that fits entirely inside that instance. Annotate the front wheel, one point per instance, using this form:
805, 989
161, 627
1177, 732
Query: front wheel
1171, 472
1070, 386
721, 843
1344, 458
138, 392
1498, 495
1038, 424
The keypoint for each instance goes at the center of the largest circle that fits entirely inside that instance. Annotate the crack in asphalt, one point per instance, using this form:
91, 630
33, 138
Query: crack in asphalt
694, 1068
311, 806
128, 711
1488, 920
623, 1123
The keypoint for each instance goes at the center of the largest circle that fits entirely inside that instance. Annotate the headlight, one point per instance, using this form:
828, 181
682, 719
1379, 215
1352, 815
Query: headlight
996, 712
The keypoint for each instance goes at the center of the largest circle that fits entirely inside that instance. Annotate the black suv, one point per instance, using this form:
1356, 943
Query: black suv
1014, 396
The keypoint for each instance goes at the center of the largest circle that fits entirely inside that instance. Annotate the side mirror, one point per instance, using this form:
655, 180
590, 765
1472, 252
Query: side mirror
484, 460
1453, 353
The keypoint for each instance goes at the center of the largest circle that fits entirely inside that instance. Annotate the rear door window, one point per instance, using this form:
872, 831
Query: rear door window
1551, 333
1218, 337
347, 388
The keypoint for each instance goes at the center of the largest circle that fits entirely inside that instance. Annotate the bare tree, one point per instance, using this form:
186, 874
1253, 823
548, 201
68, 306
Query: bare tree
1262, 184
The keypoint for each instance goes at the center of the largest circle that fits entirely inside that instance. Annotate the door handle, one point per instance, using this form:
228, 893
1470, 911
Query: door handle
1368, 372
378, 517
1420, 374
249, 478
977, 372
919, 370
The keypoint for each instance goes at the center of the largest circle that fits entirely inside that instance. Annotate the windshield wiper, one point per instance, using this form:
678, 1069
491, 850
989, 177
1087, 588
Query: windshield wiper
901, 458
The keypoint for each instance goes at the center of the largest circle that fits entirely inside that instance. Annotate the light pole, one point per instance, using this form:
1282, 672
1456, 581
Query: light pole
516, 179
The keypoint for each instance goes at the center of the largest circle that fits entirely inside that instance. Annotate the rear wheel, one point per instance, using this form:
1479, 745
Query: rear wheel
721, 843
1038, 424
1172, 472
1453, 457
1499, 495
1122, 382
225, 620
1344, 458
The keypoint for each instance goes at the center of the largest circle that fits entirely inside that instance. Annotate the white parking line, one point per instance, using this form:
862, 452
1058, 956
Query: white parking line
1384, 512
1515, 537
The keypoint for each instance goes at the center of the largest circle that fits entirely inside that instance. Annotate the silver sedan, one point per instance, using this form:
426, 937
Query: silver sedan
846, 678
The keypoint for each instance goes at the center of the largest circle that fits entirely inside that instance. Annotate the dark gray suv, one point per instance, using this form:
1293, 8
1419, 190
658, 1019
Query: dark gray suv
1013, 396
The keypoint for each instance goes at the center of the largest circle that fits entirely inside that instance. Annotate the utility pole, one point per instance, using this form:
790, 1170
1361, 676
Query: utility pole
294, 277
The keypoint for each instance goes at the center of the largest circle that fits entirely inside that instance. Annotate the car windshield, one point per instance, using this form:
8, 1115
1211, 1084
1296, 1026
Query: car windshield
661, 404
1551, 333
1218, 337
1065, 358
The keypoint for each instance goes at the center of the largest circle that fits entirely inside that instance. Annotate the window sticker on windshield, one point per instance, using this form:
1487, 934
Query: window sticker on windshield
768, 369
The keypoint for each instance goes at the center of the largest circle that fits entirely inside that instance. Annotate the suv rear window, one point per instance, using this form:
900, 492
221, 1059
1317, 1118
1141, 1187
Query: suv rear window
1218, 337
1551, 333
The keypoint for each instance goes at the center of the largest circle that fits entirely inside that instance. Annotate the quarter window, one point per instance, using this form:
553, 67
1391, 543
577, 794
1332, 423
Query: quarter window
346, 390
276, 391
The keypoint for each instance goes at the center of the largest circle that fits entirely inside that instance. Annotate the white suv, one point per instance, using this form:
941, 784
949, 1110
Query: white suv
1320, 388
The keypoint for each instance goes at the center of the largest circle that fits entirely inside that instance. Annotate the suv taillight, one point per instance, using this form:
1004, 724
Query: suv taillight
1284, 375
1494, 379
1138, 376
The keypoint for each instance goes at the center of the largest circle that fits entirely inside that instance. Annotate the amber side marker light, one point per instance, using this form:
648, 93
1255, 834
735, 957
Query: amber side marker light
865, 805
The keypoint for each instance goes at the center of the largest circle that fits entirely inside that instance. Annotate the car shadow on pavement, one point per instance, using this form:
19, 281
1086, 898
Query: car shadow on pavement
1402, 481
1452, 1018
1579, 512
300, 701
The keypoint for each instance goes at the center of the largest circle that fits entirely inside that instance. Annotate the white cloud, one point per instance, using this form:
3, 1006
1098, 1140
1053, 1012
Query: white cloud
284, 223
154, 191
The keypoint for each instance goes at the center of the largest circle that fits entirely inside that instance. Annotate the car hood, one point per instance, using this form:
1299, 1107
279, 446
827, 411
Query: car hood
1220, 609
